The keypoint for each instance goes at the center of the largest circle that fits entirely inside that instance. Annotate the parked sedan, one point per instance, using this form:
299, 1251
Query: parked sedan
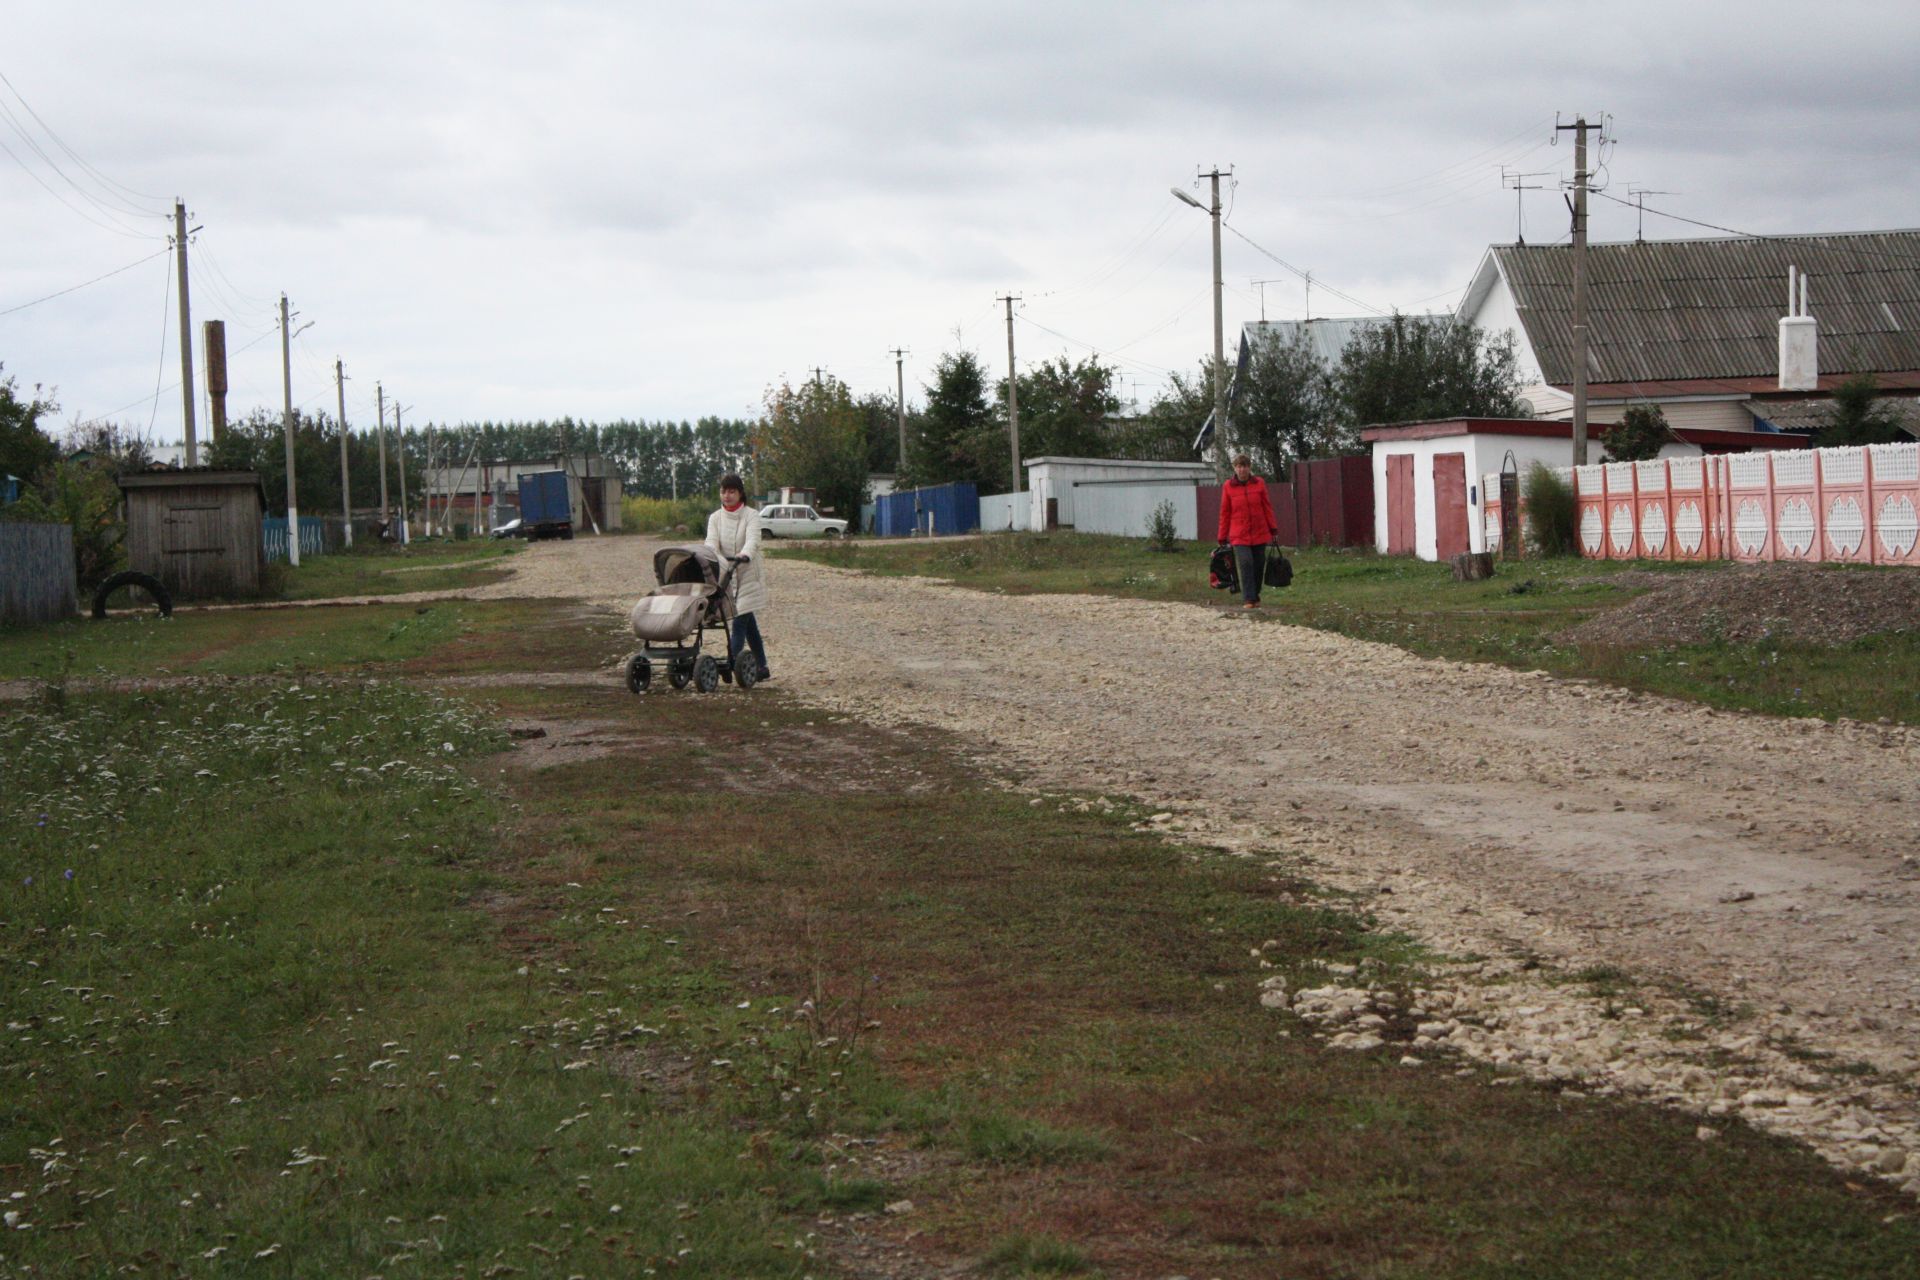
798, 522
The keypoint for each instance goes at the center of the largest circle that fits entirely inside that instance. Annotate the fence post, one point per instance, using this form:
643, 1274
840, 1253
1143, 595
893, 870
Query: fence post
1873, 532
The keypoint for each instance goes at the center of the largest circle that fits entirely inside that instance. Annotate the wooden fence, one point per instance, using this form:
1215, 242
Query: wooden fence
1855, 505
36, 573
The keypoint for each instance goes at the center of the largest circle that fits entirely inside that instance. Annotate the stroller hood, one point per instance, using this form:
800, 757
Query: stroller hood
695, 563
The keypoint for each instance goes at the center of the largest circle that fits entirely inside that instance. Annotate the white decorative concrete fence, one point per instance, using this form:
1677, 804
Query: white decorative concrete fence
1856, 505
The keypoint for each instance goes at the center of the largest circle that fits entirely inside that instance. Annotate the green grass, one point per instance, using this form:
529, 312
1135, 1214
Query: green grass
385, 570
234, 642
1514, 619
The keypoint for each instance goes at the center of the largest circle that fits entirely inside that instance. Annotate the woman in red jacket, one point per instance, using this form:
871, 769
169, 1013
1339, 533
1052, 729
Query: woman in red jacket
1247, 524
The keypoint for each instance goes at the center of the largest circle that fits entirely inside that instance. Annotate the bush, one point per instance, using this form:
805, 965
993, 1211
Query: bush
1639, 436
660, 515
1160, 528
85, 496
1553, 513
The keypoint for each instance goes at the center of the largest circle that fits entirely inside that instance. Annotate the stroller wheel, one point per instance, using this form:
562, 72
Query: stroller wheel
706, 674
743, 675
639, 674
679, 674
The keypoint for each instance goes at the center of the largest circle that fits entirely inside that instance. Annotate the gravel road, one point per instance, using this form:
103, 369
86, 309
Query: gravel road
1758, 878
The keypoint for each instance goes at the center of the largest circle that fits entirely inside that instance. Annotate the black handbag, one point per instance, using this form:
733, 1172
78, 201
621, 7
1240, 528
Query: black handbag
1279, 569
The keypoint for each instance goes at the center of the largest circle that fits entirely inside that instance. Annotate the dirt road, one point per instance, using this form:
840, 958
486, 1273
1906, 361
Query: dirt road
1749, 887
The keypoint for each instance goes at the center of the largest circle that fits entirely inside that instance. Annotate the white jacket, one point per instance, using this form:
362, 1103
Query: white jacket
737, 533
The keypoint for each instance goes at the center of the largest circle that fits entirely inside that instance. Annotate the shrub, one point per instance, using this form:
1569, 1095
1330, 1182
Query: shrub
85, 496
1160, 528
660, 515
1640, 435
1553, 513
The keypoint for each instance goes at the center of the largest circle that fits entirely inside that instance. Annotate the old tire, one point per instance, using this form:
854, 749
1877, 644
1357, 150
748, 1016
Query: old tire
161, 598
706, 674
639, 675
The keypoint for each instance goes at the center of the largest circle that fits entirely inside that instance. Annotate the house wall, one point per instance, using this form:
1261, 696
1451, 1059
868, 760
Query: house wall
1484, 453
1054, 478
1127, 509
1497, 315
199, 540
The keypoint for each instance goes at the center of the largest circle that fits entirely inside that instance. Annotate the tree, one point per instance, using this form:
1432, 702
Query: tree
1166, 431
25, 450
1639, 436
814, 436
1285, 409
1416, 368
956, 427
880, 420
1066, 409
1855, 417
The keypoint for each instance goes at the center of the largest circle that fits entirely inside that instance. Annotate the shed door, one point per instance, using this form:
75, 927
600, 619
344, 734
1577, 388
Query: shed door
1450, 504
1400, 504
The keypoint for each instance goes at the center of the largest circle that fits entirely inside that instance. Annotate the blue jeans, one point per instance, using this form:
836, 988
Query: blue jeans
746, 635
1251, 564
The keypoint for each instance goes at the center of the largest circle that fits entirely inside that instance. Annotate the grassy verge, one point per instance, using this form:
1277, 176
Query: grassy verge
334, 991
385, 570
1515, 619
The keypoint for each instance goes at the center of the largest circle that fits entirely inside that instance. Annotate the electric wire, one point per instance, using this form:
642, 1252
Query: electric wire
78, 159
1144, 364
84, 283
119, 230
100, 206
1855, 250
166, 314
1346, 297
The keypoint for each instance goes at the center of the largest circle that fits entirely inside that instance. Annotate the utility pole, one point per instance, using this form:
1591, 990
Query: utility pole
380, 398
346, 481
186, 334
1219, 323
900, 403
1013, 392
400, 462
286, 392
1579, 127
817, 372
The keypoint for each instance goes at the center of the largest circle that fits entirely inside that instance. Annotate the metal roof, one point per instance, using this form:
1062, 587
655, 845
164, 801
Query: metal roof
1813, 414
1680, 310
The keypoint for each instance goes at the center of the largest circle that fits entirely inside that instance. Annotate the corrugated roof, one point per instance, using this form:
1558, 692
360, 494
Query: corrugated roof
1813, 414
1677, 310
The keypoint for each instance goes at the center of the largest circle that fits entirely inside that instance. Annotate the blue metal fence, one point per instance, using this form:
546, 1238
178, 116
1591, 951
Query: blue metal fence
947, 508
313, 536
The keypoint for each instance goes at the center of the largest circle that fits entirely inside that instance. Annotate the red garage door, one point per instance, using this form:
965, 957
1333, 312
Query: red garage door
1400, 504
1450, 504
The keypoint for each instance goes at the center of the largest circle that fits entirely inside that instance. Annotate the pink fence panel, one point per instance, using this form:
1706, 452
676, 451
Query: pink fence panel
1749, 480
1894, 499
1796, 505
1490, 510
1844, 506
1653, 511
1590, 484
1623, 517
1692, 518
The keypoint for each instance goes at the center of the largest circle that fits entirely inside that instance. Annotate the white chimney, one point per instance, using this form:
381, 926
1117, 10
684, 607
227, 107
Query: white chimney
1799, 338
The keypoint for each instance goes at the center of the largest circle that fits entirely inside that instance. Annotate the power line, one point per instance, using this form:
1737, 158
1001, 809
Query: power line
119, 230
1091, 348
166, 314
84, 283
1825, 244
1347, 297
78, 159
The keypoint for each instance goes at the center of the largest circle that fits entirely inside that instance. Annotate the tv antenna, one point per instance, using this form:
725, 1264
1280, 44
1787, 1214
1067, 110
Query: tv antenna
1639, 196
1518, 181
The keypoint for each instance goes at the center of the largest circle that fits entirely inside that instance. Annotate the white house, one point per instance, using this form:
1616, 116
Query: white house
1695, 326
1109, 495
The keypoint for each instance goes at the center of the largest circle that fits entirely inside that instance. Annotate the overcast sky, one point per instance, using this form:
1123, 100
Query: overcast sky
604, 209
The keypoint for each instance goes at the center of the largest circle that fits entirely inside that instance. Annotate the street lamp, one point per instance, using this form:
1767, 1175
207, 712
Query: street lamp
1219, 331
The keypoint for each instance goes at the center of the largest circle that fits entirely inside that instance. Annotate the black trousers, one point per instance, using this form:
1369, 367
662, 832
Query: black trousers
1251, 564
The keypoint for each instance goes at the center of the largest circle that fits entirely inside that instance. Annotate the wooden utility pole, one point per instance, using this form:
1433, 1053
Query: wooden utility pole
1013, 392
900, 403
1579, 127
186, 334
286, 392
346, 481
380, 399
1219, 340
213, 347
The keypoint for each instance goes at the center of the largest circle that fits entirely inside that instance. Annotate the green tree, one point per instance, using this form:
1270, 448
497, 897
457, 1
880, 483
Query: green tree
880, 420
1639, 435
957, 426
25, 450
1067, 409
1417, 368
1285, 408
1167, 430
814, 436
1856, 417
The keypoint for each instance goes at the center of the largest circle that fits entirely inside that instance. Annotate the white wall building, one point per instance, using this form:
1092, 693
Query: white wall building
1055, 486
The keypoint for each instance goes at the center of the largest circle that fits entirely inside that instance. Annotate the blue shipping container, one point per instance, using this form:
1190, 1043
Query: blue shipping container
947, 508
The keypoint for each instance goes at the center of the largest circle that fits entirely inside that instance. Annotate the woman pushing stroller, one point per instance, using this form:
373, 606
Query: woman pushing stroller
1247, 524
734, 531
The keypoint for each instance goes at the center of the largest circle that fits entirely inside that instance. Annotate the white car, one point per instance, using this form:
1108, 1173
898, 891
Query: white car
798, 522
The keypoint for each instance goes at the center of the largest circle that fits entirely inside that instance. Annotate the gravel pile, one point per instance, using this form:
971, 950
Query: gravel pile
1819, 604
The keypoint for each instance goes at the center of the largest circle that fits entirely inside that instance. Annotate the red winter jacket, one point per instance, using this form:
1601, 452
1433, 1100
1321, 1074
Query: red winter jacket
1246, 513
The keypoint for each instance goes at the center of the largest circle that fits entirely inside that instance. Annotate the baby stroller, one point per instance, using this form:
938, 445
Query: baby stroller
672, 621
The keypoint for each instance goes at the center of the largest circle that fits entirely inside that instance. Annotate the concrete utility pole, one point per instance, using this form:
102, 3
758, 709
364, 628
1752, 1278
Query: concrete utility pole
1013, 392
286, 391
213, 349
380, 399
1579, 127
900, 403
400, 463
346, 481
1219, 323
186, 334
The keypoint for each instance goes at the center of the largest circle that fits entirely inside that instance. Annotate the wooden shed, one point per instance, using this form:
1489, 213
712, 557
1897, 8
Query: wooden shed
198, 531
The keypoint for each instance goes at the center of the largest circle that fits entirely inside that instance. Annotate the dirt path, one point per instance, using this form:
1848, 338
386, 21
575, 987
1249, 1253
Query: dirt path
1756, 881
